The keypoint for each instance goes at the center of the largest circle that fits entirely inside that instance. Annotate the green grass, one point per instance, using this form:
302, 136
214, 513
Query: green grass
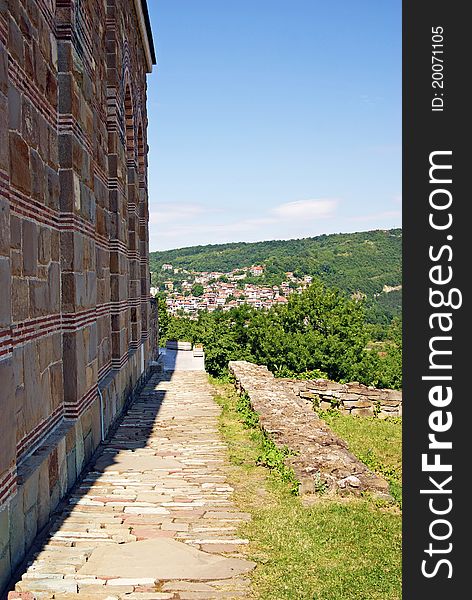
377, 442
331, 550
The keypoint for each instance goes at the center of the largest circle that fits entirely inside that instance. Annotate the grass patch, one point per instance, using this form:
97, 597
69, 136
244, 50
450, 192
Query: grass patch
332, 550
376, 442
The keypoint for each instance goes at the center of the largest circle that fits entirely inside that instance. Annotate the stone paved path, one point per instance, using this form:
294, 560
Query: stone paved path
182, 360
153, 518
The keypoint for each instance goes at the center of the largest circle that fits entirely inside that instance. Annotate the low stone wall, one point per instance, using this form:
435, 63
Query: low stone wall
349, 398
321, 459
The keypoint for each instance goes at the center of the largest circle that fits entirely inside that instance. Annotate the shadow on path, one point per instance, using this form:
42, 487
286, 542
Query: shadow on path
152, 513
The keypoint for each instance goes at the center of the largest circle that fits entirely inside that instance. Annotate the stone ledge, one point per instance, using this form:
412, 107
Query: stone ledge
320, 456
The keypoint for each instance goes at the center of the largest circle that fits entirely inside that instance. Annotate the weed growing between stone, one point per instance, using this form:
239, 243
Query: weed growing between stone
332, 550
270, 456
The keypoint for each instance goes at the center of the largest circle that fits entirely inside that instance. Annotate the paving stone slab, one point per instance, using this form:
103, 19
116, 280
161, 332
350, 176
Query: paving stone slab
162, 559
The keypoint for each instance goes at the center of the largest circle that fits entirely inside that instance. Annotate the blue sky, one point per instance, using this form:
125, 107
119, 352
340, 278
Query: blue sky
273, 119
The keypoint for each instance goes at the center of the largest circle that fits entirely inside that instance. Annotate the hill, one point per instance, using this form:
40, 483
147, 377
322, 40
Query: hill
362, 262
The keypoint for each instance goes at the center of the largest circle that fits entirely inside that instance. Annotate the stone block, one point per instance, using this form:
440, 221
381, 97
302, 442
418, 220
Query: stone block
362, 412
4, 529
79, 448
71, 469
69, 368
390, 403
393, 395
54, 496
55, 378
51, 88
5, 292
68, 284
8, 410
31, 526
15, 42
19, 299
20, 174
357, 404
44, 245
88, 448
3, 70
67, 250
55, 246
30, 247
349, 397
40, 69
38, 297
4, 149
56, 341
52, 189
5, 567
30, 490
17, 528
16, 263
61, 486
14, 108
54, 287
44, 497
4, 228
56, 586
29, 62
38, 181
15, 232
44, 347
96, 426
33, 411
53, 468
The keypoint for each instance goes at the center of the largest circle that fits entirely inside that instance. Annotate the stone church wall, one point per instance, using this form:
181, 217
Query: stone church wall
75, 315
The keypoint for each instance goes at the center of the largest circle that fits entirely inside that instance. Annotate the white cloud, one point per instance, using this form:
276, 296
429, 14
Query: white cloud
307, 209
168, 213
175, 226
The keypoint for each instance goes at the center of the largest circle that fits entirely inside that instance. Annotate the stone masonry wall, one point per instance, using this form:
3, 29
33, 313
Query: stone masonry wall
320, 457
74, 275
349, 398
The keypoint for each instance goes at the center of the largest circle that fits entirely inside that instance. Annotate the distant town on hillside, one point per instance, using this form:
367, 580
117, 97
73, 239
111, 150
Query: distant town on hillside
263, 274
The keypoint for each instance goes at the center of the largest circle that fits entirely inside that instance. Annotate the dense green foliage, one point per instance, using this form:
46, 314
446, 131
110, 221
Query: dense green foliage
353, 262
320, 329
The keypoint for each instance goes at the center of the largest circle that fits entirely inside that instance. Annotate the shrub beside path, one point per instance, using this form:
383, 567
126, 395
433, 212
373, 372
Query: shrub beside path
153, 518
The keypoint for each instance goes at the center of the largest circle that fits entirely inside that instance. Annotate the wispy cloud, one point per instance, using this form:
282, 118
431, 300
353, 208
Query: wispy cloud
307, 209
187, 224
168, 213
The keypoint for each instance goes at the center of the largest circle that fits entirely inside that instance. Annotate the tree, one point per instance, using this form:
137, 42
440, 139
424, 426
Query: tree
197, 289
163, 318
321, 329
